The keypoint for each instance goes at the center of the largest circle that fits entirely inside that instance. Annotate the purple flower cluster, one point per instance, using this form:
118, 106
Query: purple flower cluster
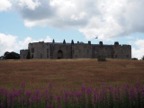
103, 97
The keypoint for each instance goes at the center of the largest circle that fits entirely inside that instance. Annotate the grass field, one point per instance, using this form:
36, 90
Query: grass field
69, 74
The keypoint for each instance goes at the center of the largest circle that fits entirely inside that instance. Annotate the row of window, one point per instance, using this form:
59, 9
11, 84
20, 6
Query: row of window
77, 51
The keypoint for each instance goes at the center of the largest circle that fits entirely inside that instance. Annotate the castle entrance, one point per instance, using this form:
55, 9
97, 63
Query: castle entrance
60, 54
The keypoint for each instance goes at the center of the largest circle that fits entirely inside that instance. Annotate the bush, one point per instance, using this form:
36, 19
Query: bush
101, 58
134, 58
124, 96
143, 58
11, 55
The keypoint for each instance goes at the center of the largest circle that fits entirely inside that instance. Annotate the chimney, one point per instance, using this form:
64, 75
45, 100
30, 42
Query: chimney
89, 42
64, 42
116, 43
101, 43
72, 42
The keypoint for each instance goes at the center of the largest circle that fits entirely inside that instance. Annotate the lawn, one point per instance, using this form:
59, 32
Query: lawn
80, 83
69, 74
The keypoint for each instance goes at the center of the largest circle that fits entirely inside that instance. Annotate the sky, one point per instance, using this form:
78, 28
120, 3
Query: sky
25, 21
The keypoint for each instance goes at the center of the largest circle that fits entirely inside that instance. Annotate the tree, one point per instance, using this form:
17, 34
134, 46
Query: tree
143, 58
11, 55
101, 58
1, 57
134, 58
6, 53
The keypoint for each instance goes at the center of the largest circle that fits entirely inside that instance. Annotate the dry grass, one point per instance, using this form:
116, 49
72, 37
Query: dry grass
68, 74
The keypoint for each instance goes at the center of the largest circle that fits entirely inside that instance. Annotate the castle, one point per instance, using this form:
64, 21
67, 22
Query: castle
53, 50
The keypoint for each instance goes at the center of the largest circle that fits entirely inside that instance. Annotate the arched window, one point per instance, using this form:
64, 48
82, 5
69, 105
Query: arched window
60, 54
32, 56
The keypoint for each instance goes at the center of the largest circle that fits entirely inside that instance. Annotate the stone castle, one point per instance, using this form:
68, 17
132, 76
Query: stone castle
53, 50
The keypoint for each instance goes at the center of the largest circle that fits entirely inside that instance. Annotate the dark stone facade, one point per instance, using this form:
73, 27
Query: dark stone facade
42, 50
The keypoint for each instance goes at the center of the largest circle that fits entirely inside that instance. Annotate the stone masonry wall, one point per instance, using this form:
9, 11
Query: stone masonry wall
41, 50
23, 54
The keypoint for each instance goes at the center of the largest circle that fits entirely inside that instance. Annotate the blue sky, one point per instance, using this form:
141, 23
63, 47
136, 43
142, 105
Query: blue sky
24, 21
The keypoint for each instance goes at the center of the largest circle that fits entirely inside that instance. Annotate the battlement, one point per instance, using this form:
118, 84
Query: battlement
54, 50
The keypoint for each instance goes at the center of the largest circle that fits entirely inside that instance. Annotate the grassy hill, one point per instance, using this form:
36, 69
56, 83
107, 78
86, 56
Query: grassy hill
69, 74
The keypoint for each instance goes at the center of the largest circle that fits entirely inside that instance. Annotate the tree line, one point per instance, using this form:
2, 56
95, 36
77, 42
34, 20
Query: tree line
14, 55
10, 55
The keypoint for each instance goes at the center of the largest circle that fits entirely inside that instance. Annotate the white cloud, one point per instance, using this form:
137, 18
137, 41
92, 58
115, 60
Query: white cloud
7, 42
30, 4
12, 43
5, 5
116, 18
138, 49
105, 18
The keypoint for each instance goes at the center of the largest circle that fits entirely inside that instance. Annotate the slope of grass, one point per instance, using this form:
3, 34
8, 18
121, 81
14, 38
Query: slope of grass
69, 74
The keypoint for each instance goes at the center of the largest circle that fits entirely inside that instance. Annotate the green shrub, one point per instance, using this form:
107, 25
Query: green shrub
11, 55
134, 58
101, 58
143, 58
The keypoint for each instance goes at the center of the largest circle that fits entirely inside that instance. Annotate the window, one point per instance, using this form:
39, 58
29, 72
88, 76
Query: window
72, 51
47, 53
41, 56
127, 56
32, 50
88, 51
60, 54
32, 56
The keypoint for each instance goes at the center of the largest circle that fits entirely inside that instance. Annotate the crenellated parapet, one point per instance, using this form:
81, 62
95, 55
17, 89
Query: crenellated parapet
54, 50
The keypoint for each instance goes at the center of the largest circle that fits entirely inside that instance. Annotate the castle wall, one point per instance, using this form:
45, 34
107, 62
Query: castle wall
41, 50
61, 51
23, 54
82, 50
102, 50
122, 51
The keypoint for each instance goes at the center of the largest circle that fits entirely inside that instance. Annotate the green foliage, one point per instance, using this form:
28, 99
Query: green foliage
134, 58
101, 58
11, 55
143, 58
